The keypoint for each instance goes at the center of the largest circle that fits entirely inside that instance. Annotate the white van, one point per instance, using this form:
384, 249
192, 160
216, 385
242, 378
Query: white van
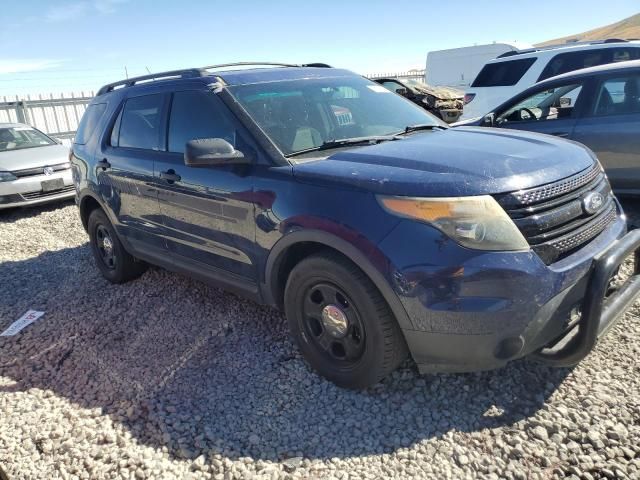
512, 72
457, 67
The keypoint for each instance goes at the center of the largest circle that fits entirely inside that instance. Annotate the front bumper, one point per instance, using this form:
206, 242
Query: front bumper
475, 310
28, 191
450, 115
600, 309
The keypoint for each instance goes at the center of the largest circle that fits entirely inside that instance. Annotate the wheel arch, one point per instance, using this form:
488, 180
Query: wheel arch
296, 246
87, 204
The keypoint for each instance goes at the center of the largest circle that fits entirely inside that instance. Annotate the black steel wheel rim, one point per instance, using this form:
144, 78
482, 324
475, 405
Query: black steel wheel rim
105, 245
332, 324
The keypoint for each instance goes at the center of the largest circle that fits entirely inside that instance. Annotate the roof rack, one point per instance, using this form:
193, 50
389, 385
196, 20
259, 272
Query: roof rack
269, 64
194, 73
170, 75
560, 45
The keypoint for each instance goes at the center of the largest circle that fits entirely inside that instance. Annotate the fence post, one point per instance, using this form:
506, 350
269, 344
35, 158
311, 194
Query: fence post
20, 112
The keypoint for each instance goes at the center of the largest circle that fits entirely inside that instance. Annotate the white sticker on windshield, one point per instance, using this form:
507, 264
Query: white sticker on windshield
24, 321
22, 129
378, 89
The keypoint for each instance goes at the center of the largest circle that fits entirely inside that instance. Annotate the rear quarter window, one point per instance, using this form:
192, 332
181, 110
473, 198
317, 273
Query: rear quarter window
503, 74
89, 122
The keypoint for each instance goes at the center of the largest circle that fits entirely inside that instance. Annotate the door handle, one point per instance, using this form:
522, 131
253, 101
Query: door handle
104, 164
560, 134
170, 176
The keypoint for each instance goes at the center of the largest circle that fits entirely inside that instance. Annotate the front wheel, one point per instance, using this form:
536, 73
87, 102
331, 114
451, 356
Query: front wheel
341, 323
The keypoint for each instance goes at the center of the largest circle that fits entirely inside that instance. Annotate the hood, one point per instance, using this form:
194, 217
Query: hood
454, 162
13, 160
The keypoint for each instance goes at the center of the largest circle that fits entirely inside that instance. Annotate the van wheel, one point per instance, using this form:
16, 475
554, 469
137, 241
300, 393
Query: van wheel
114, 262
341, 323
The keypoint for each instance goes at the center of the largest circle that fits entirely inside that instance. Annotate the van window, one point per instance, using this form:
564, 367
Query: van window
503, 74
140, 126
89, 122
568, 62
198, 115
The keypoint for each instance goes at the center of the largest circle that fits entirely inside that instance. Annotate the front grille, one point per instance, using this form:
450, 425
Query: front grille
552, 217
545, 192
30, 172
53, 193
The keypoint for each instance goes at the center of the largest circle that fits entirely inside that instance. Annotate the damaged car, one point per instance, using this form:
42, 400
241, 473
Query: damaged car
445, 103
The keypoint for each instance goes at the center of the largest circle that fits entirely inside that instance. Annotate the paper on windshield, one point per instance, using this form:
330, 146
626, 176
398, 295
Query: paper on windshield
378, 89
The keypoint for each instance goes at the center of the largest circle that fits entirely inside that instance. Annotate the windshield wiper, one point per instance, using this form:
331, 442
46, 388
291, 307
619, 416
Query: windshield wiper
329, 144
422, 126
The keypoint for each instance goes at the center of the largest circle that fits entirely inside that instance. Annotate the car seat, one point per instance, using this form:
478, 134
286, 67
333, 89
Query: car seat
605, 103
631, 102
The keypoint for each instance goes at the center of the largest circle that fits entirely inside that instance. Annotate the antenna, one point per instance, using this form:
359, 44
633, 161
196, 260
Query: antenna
126, 74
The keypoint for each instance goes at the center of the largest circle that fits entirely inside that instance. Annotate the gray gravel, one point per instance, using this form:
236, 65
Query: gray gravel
167, 378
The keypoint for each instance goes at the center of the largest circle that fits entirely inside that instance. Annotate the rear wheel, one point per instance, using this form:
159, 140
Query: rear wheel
341, 322
114, 262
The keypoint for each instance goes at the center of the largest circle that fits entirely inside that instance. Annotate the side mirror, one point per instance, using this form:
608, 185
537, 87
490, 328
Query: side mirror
402, 91
204, 152
565, 102
489, 120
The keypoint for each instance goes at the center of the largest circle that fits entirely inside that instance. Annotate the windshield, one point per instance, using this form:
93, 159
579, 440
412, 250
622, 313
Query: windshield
17, 138
301, 115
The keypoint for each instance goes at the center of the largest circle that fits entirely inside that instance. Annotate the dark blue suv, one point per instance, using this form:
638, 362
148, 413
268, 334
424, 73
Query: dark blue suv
376, 228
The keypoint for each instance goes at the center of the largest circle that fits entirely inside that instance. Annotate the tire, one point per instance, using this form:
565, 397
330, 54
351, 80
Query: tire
113, 261
356, 345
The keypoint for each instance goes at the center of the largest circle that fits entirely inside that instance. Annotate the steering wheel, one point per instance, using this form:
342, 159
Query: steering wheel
528, 112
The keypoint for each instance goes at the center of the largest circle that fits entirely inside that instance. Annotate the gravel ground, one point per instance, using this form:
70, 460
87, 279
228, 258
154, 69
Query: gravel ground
167, 378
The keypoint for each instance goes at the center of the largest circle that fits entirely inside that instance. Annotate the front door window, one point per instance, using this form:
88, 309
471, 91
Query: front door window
549, 104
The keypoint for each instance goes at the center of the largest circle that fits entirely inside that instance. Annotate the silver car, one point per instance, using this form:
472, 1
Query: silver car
34, 168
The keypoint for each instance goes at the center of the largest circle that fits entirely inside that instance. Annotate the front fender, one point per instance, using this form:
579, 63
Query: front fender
373, 263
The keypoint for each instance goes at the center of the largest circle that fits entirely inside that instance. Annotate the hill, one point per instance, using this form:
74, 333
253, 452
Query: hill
626, 29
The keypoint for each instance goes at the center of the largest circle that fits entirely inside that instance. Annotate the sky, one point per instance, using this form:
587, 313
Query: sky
52, 46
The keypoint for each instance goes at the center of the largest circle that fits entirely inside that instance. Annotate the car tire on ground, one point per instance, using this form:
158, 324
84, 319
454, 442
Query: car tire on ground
114, 262
341, 323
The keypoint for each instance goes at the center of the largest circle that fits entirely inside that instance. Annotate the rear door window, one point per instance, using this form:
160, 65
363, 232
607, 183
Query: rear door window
141, 123
618, 96
503, 74
89, 122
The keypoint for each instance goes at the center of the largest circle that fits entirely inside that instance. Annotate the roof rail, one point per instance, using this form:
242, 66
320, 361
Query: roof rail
170, 75
560, 45
511, 52
195, 72
269, 64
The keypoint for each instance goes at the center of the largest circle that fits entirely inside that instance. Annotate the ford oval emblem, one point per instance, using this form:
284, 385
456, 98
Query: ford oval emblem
592, 202
48, 171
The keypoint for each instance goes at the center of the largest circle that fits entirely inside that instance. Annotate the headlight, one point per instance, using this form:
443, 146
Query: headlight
474, 222
7, 177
